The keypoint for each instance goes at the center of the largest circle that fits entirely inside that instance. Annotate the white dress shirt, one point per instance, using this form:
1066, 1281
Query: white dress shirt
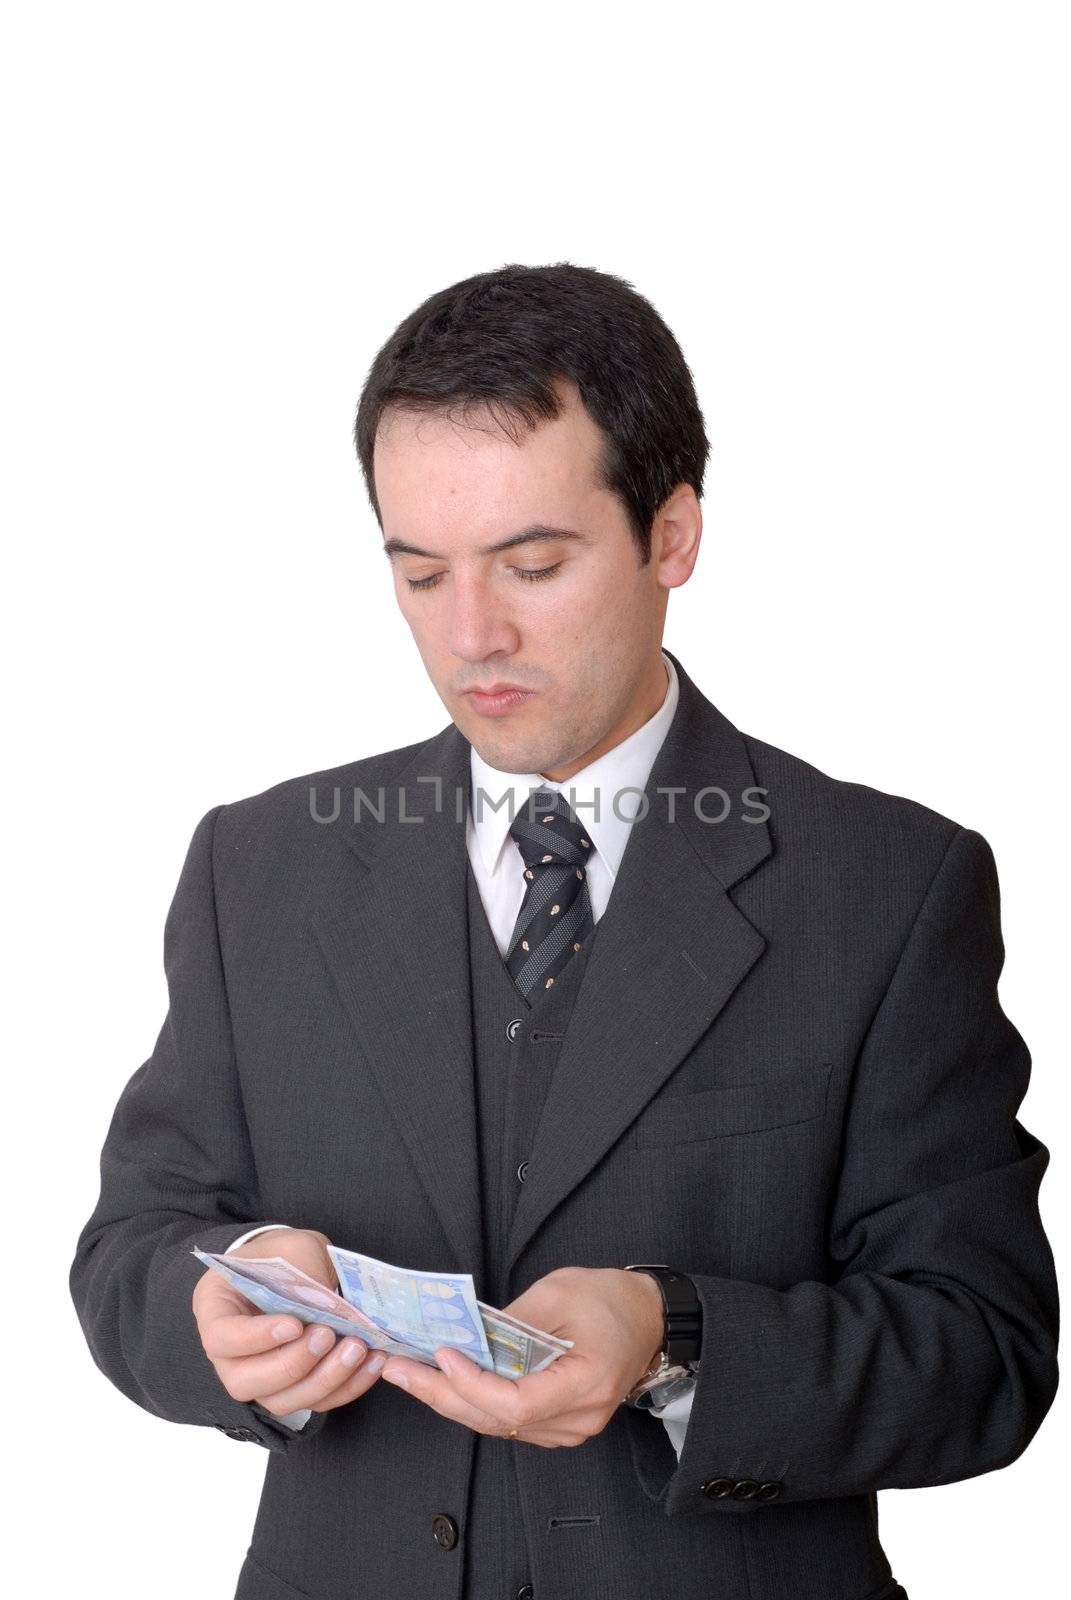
619, 777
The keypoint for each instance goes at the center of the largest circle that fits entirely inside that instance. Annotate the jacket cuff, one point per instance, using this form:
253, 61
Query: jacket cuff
703, 1478
247, 1422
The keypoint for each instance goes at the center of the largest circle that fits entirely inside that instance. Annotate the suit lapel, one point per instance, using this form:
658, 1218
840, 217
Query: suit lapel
393, 929
668, 952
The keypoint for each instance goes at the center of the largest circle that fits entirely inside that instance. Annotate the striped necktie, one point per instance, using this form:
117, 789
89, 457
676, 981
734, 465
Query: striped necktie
555, 916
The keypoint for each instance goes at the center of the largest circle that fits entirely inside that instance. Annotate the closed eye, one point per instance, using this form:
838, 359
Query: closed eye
528, 574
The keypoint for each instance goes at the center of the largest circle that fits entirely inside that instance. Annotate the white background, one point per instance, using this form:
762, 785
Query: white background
854, 217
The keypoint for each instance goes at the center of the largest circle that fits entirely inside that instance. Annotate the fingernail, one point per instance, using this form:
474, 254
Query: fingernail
321, 1340
396, 1377
376, 1363
352, 1351
446, 1363
286, 1330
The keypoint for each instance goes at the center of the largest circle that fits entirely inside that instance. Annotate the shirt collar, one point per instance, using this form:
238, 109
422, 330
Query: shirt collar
624, 768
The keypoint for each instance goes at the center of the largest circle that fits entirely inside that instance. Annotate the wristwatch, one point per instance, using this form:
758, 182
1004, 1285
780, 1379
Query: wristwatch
674, 1368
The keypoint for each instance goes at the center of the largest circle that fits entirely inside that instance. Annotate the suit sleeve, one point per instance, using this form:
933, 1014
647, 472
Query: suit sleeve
176, 1170
929, 1355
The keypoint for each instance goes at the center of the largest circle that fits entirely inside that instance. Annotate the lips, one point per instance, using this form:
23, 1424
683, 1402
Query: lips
499, 700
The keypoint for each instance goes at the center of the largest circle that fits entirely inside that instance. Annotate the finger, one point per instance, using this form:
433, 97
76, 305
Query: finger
568, 1384
436, 1390
215, 1300
332, 1382
364, 1378
519, 1403
249, 1377
231, 1335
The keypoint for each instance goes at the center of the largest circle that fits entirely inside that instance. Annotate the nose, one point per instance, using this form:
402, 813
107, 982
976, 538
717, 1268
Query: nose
480, 625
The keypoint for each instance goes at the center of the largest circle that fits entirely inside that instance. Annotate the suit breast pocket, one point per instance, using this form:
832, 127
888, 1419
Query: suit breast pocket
732, 1108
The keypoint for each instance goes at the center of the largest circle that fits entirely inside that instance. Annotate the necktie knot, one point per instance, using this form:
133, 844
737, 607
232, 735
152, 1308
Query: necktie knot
547, 833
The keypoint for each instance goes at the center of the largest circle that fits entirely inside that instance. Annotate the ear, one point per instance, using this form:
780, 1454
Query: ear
675, 535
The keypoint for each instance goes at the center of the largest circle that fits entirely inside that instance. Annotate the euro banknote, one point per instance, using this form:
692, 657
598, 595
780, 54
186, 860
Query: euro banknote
402, 1310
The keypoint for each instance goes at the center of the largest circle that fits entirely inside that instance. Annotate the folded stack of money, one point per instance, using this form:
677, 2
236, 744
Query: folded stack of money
397, 1309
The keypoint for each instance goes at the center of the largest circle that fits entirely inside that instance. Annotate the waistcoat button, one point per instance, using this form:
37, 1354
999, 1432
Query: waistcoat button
522, 1171
445, 1530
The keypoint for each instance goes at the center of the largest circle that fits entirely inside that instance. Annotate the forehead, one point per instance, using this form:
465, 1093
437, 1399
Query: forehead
483, 456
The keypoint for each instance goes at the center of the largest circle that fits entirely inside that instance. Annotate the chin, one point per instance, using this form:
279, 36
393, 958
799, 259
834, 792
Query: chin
508, 755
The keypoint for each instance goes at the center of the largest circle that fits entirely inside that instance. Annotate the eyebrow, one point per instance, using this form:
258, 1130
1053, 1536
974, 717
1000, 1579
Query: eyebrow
539, 531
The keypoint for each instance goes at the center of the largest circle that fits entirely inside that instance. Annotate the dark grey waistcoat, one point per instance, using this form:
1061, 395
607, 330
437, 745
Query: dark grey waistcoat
515, 1048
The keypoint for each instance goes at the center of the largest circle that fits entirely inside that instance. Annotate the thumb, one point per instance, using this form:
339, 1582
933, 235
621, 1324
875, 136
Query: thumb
543, 1305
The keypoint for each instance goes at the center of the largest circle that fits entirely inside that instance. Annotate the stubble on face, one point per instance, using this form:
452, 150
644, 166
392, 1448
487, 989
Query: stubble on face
584, 639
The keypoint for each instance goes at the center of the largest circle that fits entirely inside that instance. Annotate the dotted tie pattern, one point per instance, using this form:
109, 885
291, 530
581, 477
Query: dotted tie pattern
555, 916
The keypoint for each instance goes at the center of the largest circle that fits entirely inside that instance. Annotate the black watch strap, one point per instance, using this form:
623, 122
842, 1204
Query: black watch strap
682, 1309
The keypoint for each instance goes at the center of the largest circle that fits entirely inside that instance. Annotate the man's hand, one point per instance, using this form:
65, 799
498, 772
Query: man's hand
273, 1359
615, 1320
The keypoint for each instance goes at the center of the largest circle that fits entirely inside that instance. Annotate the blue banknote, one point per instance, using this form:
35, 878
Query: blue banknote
425, 1309
397, 1309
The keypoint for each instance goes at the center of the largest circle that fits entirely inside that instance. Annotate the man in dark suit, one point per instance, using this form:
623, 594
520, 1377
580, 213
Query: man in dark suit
694, 1057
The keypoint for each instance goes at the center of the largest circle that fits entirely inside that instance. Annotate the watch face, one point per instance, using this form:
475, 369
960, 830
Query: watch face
667, 1386
666, 1372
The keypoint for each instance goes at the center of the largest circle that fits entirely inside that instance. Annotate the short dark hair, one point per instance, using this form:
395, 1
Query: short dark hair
499, 339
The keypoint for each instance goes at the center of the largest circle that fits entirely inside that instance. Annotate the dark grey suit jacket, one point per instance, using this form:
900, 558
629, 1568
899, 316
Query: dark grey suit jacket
787, 1073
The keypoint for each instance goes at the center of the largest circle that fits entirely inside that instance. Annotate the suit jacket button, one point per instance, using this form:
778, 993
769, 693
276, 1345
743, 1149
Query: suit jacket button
525, 1592
522, 1171
718, 1488
746, 1489
769, 1491
445, 1530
